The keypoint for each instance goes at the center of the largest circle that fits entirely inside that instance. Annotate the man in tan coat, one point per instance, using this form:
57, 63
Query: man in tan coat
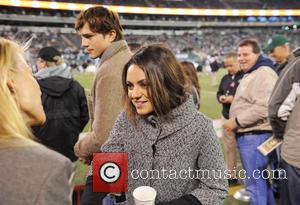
249, 118
101, 36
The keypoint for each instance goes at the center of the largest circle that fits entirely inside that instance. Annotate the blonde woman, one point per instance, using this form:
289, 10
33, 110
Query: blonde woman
30, 173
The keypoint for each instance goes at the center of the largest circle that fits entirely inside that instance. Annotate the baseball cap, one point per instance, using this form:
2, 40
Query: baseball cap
276, 40
48, 54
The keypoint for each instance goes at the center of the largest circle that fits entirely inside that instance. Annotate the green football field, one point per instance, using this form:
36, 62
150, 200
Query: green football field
209, 106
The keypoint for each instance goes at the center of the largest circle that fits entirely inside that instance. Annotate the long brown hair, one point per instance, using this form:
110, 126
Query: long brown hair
167, 81
190, 71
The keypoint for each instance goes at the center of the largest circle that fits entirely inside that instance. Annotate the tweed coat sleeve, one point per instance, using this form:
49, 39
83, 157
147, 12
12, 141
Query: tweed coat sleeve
116, 139
213, 187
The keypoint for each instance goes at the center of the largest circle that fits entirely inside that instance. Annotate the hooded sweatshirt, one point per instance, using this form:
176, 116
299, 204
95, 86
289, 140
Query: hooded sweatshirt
65, 105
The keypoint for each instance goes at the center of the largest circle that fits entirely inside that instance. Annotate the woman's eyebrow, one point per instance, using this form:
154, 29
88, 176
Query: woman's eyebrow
142, 81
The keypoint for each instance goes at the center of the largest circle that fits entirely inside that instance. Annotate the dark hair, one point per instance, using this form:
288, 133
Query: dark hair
51, 56
134, 47
190, 70
167, 81
100, 20
250, 42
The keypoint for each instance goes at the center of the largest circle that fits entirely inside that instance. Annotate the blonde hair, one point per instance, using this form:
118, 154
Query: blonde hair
58, 61
12, 123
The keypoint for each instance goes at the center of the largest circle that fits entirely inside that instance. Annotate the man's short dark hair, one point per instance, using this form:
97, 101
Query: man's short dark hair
100, 20
251, 42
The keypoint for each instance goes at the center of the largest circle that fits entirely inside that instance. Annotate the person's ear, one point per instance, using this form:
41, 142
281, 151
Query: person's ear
286, 47
112, 36
11, 86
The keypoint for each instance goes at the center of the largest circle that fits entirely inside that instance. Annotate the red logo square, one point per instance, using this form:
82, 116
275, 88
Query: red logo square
110, 172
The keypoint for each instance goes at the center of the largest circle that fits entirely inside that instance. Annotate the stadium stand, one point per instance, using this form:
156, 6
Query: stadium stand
222, 4
186, 35
204, 41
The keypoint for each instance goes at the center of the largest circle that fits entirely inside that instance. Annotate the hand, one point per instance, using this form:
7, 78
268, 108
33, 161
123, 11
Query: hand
222, 98
228, 99
77, 151
184, 200
81, 136
230, 125
84, 160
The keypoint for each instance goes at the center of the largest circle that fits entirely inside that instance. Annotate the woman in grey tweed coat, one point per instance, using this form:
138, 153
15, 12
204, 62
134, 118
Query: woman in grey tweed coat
162, 130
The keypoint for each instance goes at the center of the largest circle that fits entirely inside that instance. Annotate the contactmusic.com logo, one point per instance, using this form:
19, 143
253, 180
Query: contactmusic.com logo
110, 172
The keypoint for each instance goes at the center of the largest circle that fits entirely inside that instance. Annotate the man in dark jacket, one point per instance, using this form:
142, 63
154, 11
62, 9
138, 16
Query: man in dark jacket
279, 50
284, 115
64, 102
226, 91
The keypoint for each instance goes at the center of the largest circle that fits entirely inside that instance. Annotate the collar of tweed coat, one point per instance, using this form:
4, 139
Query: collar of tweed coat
178, 118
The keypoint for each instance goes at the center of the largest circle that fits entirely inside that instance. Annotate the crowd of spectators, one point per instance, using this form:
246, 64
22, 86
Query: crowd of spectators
203, 42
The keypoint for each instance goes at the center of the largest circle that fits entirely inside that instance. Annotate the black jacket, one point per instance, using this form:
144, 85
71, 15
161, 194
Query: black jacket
228, 86
65, 105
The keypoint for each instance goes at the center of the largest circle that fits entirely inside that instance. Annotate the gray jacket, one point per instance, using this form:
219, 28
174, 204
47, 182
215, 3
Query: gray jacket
187, 141
290, 129
34, 175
